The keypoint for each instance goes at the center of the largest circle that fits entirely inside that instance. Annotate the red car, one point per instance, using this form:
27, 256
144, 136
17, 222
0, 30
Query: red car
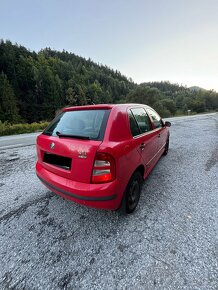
99, 155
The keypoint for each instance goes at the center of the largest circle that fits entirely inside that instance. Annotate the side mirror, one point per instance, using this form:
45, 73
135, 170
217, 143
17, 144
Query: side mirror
167, 124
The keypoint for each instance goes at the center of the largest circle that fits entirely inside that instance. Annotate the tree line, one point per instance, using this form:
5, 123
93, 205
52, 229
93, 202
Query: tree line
173, 99
33, 86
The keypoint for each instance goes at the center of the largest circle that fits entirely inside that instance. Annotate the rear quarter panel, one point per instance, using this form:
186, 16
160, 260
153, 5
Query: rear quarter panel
119, 143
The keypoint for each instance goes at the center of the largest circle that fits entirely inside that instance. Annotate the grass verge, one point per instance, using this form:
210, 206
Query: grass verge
12, 129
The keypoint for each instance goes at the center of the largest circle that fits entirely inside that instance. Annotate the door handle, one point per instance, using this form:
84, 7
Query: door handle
158, 135
142, 146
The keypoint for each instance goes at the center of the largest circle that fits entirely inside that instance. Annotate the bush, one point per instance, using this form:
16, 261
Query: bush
11, 129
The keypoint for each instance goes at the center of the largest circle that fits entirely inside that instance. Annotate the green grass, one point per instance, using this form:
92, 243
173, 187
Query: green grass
11, 129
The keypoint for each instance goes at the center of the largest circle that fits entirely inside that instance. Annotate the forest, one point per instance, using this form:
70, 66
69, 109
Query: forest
35, 85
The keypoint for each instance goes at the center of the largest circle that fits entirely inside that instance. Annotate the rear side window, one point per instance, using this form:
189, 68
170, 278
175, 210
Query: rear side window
81, 123
139, 121
133, 125
155, 118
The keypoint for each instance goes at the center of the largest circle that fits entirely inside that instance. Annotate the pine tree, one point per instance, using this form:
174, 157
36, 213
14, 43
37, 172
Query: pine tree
8, 104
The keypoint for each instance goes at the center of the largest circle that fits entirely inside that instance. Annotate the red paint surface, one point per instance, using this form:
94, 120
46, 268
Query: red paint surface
118, 143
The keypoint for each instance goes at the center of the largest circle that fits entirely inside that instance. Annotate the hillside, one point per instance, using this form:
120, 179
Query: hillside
33, 86
37, 84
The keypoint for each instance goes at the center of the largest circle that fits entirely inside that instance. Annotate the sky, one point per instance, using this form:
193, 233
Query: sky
146, 40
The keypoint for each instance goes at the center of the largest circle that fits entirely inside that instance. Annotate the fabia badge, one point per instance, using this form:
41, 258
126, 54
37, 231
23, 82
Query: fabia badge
52, 145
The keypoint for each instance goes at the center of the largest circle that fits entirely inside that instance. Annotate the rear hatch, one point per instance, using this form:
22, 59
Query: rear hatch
69, 144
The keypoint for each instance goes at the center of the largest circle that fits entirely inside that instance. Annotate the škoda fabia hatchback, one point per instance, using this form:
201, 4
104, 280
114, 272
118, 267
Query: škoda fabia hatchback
99, 155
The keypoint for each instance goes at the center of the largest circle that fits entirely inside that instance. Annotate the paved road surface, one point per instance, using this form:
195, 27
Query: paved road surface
170, 242
15, 141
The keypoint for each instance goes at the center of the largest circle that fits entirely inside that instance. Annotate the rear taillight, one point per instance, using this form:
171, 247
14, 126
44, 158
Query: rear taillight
104, 168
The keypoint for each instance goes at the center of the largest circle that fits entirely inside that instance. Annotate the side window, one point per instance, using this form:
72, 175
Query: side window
142, 120
155, 118
133, 125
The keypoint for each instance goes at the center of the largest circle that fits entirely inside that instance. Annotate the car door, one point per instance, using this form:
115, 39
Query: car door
144, 137
159, 128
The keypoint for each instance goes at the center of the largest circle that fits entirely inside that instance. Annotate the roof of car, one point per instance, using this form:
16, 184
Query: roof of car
101, 106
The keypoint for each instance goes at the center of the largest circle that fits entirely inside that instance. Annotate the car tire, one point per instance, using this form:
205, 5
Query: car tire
166, 147
132, 193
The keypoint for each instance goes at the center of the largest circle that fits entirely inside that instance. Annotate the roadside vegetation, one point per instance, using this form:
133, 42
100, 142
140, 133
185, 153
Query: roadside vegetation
11, 129
35, 85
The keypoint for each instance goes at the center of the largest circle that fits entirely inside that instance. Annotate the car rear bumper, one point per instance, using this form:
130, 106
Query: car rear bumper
94, 195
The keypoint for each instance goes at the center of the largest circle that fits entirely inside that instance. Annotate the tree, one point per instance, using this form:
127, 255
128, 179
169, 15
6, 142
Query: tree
71, 97
163, 111
75, 95
8, 103
169, 105
211, 100
144, 95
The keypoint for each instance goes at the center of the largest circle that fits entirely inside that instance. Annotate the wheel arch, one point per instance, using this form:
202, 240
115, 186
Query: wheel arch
141, 169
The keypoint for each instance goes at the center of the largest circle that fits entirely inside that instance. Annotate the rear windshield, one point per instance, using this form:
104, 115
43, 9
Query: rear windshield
89, 124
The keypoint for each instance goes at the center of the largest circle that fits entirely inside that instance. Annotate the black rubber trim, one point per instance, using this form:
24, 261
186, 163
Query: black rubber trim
89, 198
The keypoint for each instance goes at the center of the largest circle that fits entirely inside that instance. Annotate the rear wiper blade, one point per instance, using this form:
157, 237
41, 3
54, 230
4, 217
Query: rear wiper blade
72, 136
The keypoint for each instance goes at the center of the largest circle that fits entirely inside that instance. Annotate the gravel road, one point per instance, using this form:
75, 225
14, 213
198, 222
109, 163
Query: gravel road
170, 242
